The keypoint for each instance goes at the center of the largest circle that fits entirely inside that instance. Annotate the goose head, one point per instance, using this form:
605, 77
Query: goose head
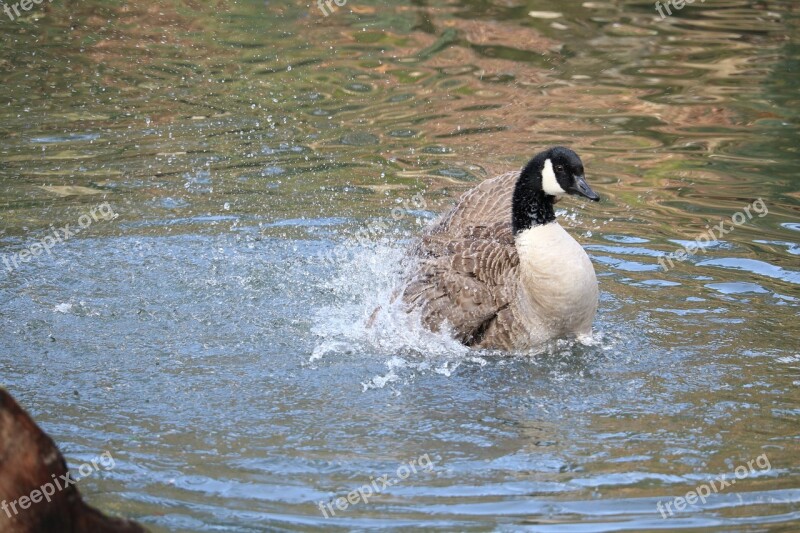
548, 177
561, 172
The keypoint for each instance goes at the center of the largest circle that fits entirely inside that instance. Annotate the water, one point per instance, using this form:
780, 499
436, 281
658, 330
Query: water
212, 337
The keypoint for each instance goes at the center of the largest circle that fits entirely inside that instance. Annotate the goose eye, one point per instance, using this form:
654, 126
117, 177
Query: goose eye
560, 168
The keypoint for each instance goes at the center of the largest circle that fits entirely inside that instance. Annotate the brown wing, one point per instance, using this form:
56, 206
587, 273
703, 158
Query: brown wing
485, 205
467, 263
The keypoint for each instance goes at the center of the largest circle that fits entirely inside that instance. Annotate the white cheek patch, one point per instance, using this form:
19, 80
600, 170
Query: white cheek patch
549, 182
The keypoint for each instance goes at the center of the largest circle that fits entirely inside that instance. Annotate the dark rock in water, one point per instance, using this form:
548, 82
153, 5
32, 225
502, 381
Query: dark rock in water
37, 494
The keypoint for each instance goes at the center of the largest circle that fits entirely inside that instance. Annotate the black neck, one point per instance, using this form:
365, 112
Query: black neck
530, 205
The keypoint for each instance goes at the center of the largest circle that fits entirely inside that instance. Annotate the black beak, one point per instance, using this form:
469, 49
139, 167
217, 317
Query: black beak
581, 188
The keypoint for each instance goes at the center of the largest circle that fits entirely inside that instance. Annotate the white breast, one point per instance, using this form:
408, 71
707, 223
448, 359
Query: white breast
558, 279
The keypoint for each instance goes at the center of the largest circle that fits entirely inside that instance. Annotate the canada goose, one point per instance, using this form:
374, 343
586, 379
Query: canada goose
498, 269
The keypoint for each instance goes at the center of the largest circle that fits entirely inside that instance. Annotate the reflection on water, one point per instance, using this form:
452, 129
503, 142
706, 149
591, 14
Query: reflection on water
207, 338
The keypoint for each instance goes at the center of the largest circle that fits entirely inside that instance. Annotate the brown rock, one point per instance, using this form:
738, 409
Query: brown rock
30, 461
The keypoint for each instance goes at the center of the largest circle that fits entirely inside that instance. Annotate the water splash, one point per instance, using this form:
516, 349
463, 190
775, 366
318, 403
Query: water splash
366, 318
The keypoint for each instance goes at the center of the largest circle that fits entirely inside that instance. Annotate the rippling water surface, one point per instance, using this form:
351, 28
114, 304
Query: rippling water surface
212, 336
